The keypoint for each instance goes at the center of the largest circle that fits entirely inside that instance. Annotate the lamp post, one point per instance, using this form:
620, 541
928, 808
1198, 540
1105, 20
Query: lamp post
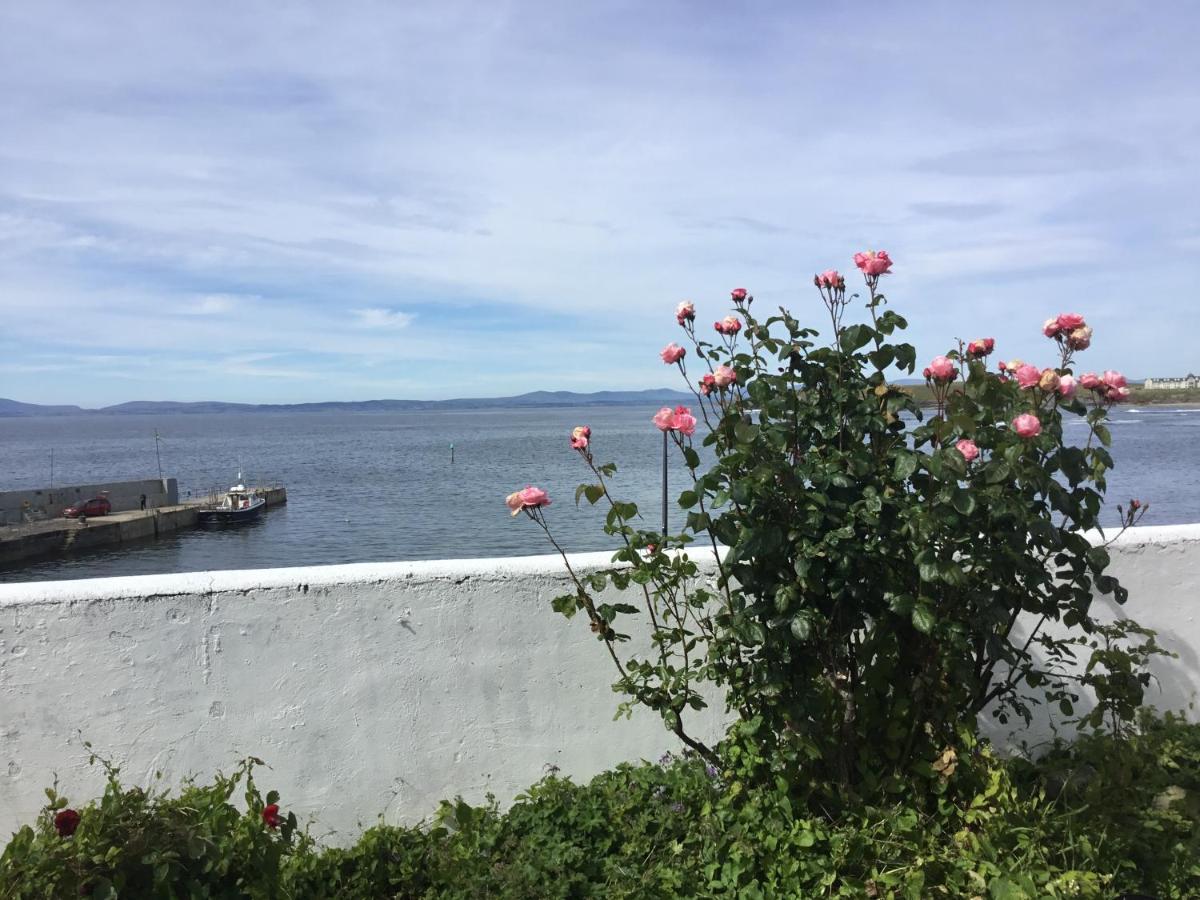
664, 490
157, 454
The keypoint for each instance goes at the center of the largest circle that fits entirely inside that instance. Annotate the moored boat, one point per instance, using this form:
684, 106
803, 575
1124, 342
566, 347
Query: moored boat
240, 504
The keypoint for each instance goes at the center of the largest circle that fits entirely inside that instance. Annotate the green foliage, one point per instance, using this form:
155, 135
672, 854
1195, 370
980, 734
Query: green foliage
134, 843
1104, 816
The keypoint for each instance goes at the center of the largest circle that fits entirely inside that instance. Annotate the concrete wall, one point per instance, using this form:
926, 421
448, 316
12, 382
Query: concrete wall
19, 506
371, 689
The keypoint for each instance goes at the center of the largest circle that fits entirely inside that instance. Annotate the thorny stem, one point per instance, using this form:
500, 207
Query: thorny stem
650, 604
597, 621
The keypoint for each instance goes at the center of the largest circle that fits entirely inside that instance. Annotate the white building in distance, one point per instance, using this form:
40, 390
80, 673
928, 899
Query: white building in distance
1164, 384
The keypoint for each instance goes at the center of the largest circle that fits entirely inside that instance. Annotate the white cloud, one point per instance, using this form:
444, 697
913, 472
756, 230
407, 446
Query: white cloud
579, 167
379, 317
211, 305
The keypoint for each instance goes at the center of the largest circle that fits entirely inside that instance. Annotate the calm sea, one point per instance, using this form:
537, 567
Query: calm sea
380, 486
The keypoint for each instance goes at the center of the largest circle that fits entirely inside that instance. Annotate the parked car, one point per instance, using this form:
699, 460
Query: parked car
97, 506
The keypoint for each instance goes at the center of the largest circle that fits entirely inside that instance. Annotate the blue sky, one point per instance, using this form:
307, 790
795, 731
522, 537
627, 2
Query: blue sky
285, 202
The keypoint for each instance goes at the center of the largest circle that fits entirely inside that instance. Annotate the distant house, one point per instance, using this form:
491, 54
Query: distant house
1167, 384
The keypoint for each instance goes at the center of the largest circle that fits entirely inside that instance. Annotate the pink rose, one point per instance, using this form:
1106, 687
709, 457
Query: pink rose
664, 418
830, 278
1050, 327
1066, 386
580, 437
738, 294
873, 263
1027, 426
927, 372
530, 497
1028, 376
1048, 381
1070, 321
708, 384
1116, 394
1080, 338
1090, 380
981, 347
728, 325
1113, 378
942, 369
723, 376
683, 421
967, 449
673, 353
534, 496
685, 312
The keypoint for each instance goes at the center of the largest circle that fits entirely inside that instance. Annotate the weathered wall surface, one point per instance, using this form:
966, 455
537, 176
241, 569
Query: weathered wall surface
372, 689
16, 506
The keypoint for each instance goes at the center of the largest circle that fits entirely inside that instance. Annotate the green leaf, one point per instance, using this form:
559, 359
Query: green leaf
1103, 434
963, 501
687, 499
1098, 558
906, 464
745, 432
1002, 889
881, 358
906, 357
566, 604
996, 471
855, 337
801, 627
923, 619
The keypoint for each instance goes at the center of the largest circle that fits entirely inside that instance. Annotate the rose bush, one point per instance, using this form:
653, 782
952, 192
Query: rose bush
885, 573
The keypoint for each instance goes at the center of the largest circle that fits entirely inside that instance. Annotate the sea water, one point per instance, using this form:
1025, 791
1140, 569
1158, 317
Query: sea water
381, 486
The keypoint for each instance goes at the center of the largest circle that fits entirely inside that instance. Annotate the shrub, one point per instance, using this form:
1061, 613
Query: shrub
147, 844
1094, 819
880, 561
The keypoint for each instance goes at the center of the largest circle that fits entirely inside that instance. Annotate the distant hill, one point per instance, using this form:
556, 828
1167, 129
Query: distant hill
13, 408
16, 408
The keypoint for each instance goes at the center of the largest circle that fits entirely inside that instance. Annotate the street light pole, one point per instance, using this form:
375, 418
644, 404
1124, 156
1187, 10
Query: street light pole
664, 491
157, 454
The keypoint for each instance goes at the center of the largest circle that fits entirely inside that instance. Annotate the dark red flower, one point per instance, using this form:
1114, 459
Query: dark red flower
66, 822
738, 294
270, 815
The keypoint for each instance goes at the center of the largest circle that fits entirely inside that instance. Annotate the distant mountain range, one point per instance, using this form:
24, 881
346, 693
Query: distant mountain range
14, 408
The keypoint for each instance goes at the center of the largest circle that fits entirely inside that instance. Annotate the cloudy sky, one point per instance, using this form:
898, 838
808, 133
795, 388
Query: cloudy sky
311, 201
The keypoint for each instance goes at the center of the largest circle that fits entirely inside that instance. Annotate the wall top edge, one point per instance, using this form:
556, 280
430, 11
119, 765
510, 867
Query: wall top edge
90, 590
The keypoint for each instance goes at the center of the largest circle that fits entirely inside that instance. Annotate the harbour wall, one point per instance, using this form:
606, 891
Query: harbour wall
377, 689
17, 507
40, 539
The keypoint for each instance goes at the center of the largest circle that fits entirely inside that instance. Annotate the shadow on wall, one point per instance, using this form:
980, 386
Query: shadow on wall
1175, 680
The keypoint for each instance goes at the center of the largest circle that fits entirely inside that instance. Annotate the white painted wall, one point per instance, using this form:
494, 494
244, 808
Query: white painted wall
371, 689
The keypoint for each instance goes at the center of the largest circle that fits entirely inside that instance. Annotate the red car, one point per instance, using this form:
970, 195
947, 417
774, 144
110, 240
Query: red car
97, 506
